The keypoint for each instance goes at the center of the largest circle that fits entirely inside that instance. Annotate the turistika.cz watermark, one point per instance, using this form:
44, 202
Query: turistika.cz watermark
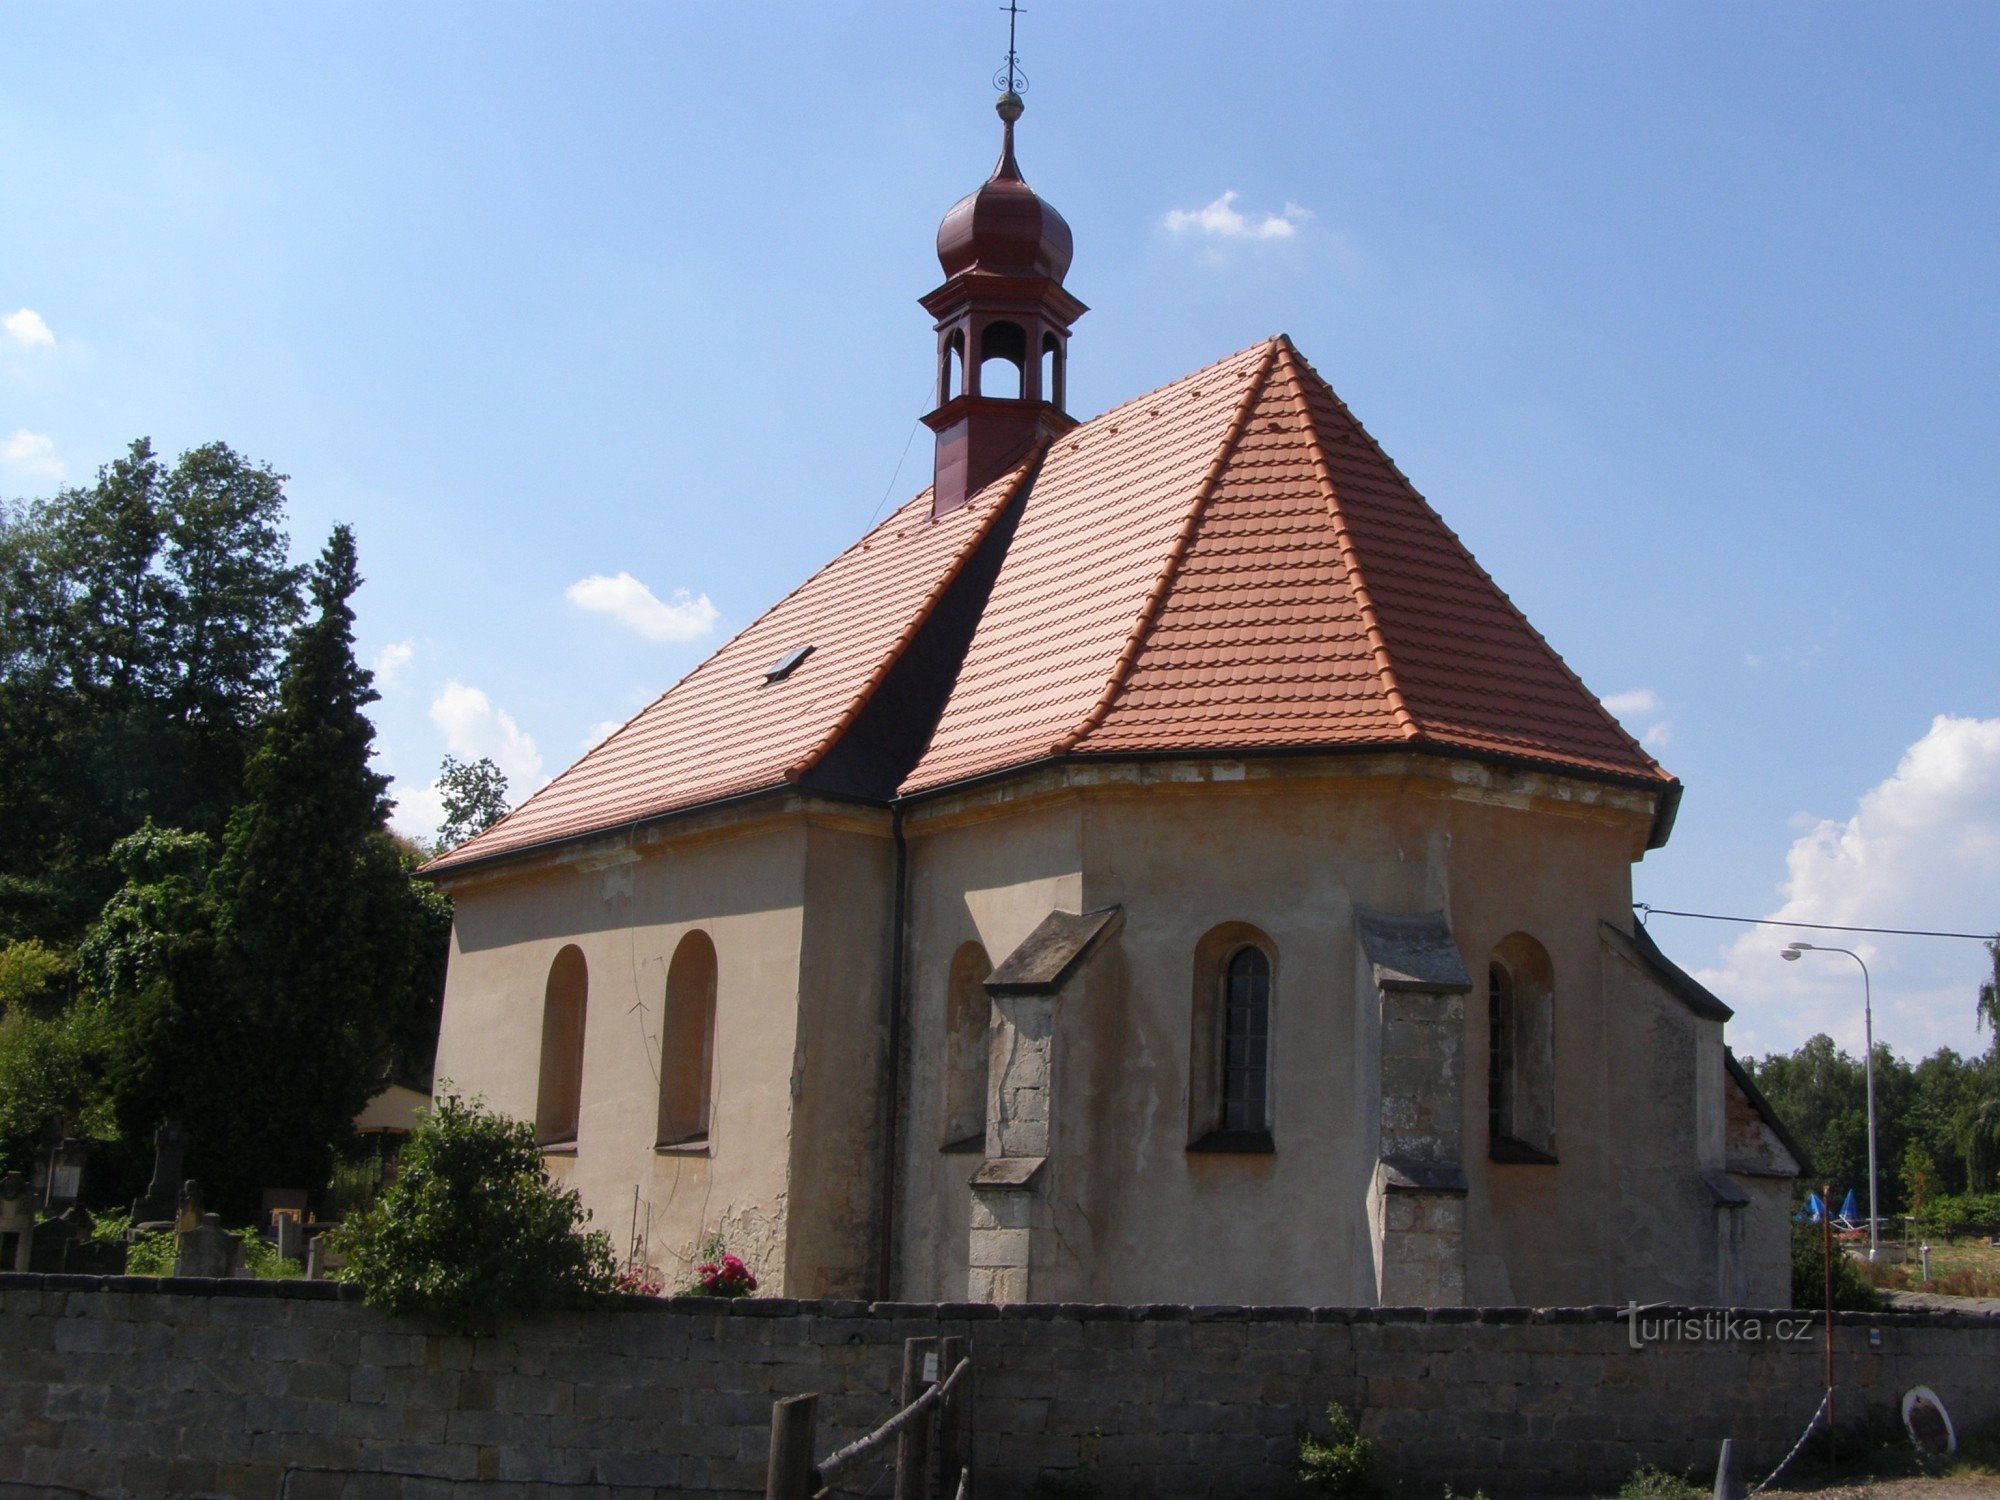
1658, 1325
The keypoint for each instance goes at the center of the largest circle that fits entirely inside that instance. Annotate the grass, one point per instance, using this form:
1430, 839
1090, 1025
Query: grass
1968, 1268
1649, 1483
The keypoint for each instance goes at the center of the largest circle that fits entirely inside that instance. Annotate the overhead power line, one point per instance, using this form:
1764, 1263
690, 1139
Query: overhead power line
1646, 911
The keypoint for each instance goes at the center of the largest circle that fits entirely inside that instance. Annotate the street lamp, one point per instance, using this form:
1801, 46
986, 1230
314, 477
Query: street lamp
1791, 955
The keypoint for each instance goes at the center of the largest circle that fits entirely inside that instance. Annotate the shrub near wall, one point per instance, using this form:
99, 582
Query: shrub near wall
143, 1387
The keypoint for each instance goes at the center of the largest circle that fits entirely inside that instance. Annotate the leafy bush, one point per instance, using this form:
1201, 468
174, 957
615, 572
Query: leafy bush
1960, 1208
151, 1254
472, 1226
1339, 1463
1851, 1291
262, 1260
1649, 1483
53, 1066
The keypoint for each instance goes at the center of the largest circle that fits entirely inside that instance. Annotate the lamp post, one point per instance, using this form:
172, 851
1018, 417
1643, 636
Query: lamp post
1791, 955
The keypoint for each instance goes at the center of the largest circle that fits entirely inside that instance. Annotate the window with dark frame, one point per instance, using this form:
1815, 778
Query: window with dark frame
1499, 1051
1246, 1040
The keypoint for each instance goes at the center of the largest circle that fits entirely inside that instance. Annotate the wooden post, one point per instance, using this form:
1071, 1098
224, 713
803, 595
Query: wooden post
920, 1369
790, 1474
951, 1446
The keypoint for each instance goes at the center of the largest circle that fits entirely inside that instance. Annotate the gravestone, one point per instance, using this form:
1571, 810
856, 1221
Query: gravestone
91, 1257
321, 1258
207, 1249
48, 1246
291, 1234
17, 1222
188, 1215
157, 1207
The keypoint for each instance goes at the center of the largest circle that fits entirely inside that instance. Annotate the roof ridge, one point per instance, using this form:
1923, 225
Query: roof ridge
1465, 552
1166, 385
1378, 644
1019, 475
1156, 596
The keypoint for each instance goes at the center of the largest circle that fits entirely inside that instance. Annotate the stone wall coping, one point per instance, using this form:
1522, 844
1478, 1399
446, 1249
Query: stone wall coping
969, 1312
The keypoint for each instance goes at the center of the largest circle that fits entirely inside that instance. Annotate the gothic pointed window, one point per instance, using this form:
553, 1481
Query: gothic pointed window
1229, 1050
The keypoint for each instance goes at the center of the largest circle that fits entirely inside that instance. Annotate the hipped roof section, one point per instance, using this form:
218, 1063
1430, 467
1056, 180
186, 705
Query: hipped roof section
1229, 564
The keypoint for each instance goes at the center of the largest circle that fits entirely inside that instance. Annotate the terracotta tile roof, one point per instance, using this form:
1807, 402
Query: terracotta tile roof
1259, 577
1229, 563
722, 730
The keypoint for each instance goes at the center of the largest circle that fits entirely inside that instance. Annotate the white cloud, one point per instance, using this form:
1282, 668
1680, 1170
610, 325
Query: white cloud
1922, 850
1221, 219
1638, 701
34, 454
601, 731
473, 727
419, 809
1635, 706
28, 329
638, 609
392, 664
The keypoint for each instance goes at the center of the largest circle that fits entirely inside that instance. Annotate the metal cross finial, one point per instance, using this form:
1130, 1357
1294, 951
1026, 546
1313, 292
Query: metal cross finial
1009, 78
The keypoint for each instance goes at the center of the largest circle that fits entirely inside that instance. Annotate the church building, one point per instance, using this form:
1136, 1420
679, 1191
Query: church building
1156, 864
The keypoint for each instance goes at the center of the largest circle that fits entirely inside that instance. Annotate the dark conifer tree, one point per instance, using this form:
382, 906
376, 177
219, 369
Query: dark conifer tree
316, 937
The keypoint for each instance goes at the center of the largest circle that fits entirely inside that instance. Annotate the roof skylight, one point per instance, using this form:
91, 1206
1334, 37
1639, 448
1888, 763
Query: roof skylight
787, 664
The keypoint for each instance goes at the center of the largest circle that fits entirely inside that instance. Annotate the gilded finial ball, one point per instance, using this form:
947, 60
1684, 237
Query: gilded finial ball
1009, 106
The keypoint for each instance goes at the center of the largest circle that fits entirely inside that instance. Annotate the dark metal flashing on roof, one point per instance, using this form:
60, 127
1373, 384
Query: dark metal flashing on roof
1411, 952
1402, 1174
1054, 951
1740, 1075
1639, 946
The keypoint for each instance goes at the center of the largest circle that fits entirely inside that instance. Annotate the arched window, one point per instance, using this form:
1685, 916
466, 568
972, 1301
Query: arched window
1003, 359
687, 1042
1520, 1051
1229, 1052
951, 367
1052, 370
559, 1096
1246, 1041
968, 1016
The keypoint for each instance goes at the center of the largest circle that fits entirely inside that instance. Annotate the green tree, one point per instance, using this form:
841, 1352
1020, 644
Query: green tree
150, 961
1987, 1007
140, 620
315, 941
473, 1228
419, 1003
475, 798
54, 1067
1979, 1135
31, 975
1919, 1177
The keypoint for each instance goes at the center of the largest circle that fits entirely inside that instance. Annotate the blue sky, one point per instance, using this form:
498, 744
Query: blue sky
598, 323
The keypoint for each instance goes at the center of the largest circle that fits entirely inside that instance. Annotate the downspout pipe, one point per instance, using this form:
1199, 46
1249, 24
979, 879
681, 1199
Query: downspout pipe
885, 1254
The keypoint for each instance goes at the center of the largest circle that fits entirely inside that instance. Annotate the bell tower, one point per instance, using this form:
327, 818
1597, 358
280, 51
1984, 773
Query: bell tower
1003, 321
